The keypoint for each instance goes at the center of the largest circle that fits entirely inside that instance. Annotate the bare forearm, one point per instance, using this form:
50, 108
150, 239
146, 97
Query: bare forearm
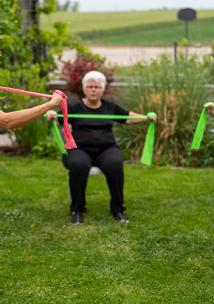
20, 118
136, 121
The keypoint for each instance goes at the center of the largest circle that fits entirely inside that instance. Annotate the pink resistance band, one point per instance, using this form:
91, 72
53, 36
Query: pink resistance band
70, 143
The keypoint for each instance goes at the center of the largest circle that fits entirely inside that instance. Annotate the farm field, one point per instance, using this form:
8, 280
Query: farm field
134, 28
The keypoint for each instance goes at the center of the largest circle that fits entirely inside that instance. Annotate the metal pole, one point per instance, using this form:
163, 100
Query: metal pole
187, 36
175, 51
186, 30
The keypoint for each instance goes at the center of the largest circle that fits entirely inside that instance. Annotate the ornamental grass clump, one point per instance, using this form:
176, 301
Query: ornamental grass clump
176, 92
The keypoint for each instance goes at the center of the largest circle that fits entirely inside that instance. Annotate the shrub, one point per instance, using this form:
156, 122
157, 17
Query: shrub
27, 59
73, 72
46, 148
176, 92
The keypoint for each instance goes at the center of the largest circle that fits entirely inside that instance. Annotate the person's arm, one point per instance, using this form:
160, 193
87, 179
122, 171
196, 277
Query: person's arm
20, 118
137, 121
118, 110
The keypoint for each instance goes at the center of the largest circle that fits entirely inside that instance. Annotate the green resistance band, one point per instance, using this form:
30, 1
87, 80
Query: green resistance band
103, 116
147, 154
199, 132
149, 142
58, 137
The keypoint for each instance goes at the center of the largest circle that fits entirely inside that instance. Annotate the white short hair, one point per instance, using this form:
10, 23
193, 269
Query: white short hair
94, 75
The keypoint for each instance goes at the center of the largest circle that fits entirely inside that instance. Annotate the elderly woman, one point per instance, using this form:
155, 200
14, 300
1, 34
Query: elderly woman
19, 118
96, 146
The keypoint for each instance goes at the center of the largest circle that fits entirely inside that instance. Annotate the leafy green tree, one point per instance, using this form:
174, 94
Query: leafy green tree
75, 6
68, 5
64, 6
27, 57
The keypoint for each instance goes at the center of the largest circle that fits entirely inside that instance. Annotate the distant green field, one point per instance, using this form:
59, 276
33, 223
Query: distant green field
134, 27
200, 32
81, 22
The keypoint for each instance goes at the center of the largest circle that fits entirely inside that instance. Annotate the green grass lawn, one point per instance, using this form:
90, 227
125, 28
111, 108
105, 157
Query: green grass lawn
159, 27
163, 255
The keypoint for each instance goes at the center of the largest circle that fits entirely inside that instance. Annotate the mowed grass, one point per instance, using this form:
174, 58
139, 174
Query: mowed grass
163, 255
134, 27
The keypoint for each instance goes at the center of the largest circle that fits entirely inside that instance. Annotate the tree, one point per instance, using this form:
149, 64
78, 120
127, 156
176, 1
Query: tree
75, 6
66, 6
27, 56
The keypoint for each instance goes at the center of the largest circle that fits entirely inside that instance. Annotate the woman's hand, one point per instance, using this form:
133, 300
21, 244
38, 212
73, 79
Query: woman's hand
52, 115
152, 117
56, 99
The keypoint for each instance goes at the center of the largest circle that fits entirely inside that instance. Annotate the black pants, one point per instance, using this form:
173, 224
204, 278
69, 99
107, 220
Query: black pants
110, 161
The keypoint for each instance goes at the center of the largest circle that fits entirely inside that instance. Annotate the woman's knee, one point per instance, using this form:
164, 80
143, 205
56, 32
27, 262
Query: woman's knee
113, 163
78, 165
77, 162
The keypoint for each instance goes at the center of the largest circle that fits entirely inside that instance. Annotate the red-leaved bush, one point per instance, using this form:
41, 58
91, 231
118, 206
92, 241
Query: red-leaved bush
73, 72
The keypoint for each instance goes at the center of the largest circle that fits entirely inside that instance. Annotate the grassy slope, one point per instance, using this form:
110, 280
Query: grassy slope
135, 28
80, 22
164, 255
201, 32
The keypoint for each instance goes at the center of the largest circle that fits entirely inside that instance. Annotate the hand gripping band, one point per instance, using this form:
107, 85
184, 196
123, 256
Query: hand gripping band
70, 143
147, 154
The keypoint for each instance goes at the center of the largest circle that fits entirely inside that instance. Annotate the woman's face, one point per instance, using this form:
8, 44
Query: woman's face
93, 90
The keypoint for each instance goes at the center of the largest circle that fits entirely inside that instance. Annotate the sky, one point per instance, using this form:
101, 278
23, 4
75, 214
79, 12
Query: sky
118, 5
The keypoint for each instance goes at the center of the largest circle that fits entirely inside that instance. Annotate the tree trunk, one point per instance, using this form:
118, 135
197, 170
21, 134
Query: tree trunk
29, 9
31, 19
